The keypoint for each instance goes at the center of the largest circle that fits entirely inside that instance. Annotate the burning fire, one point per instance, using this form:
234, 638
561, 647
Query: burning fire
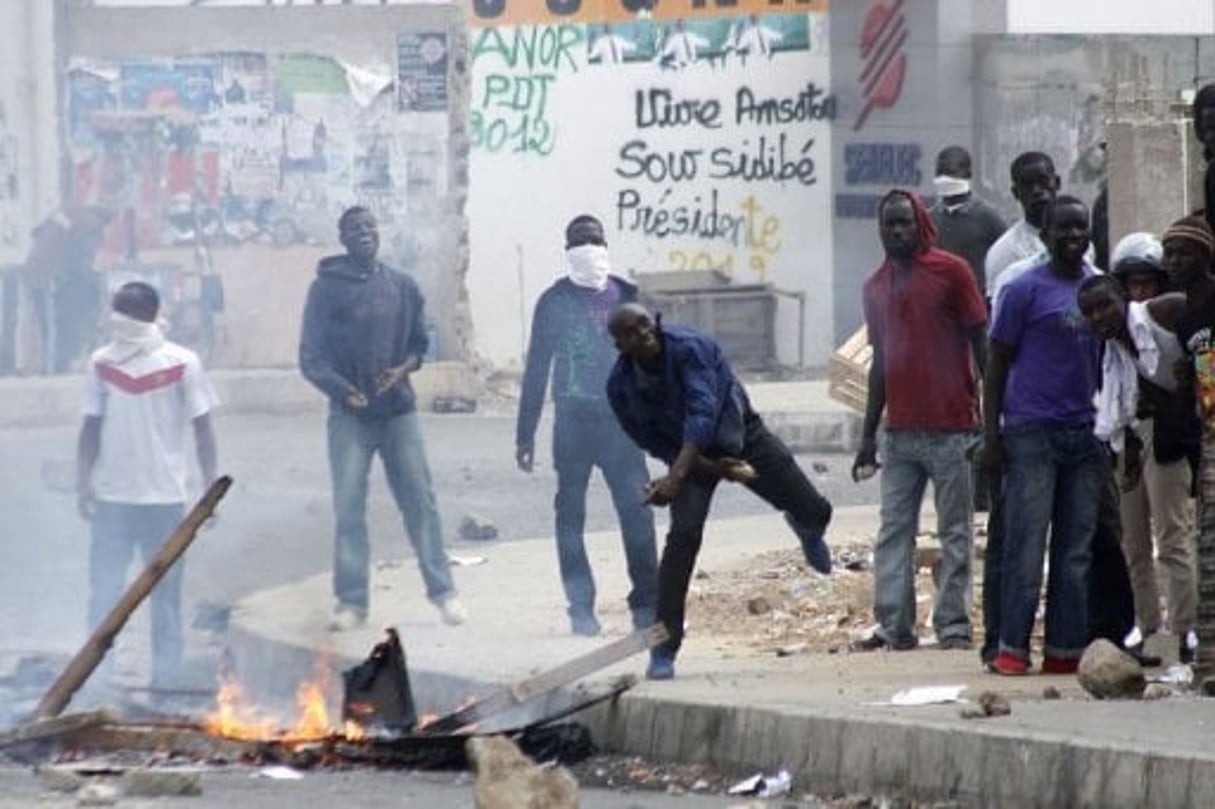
237, 717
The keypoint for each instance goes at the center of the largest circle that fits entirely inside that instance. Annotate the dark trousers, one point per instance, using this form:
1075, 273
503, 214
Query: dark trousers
780, 482
993, 566
1111, 599
584, 438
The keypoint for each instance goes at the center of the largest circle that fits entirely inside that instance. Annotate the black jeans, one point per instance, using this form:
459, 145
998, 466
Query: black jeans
1111, 599
993, 566
781, 482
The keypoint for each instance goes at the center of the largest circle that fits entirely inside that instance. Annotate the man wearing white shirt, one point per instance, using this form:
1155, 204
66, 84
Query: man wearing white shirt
610, 48
143, 395
1034, 185
754, 39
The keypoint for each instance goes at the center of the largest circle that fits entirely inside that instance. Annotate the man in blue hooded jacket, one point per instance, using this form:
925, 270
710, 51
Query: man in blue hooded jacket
674, 393
364, 334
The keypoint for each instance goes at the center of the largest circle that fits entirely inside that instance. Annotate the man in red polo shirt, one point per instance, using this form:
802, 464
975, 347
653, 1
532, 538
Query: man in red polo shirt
926, 319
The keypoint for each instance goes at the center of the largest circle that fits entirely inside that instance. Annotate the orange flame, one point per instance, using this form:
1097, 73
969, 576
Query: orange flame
237, 717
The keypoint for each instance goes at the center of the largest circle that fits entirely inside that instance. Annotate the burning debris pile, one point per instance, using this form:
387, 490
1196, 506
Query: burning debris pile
378, 725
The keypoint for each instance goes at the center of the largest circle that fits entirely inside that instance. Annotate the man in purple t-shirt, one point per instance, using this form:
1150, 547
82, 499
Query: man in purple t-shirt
1038, 416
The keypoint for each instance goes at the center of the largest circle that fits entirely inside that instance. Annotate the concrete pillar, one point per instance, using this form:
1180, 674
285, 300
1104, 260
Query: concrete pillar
1153, 163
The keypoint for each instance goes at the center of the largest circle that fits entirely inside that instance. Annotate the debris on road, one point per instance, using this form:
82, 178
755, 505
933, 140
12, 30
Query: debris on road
1107, 672
924, 695
507, 779
477, 528
988, 704
764, 786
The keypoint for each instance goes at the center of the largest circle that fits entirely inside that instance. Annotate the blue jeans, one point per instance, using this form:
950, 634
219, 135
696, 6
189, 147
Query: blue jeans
353, 441
909, 460
118, 529
582, 440
1053, 479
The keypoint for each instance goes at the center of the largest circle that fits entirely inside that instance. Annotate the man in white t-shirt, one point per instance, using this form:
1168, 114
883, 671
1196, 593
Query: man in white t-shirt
142, 395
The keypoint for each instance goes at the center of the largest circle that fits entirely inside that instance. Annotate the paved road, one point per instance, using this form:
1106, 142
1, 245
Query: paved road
365, 789
275, 523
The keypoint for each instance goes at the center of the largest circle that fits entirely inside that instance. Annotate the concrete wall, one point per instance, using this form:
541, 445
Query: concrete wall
1053, 94
901, 100
29, 171
556, 133
423, 229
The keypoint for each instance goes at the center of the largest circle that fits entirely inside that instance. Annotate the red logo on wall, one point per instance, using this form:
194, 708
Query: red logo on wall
883, 60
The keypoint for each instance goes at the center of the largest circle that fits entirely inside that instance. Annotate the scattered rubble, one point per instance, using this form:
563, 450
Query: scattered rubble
1108, 672
1157, 691
507, 779
988, 704
477, 528
97, 795
147, 782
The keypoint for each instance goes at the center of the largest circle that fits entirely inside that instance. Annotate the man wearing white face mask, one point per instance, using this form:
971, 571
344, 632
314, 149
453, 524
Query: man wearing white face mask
966, 225
142, 394
569, 335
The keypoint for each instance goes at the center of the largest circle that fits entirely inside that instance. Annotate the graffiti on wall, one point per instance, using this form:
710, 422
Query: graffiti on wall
704, 197
517, 72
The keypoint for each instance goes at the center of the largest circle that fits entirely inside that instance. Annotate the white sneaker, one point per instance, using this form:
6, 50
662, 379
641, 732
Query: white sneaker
346, 617
453, 612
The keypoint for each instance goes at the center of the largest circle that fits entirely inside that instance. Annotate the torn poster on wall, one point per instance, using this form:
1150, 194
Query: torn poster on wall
234, 147
422, 72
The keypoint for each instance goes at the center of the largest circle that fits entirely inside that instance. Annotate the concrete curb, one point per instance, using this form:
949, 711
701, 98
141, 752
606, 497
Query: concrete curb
982, 765
924, 757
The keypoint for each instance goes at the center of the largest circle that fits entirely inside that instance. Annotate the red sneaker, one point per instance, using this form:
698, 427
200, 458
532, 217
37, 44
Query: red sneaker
1060, 665
1010, 665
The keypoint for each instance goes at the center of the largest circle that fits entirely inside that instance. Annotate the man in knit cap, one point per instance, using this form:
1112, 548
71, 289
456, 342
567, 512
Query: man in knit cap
1189, 246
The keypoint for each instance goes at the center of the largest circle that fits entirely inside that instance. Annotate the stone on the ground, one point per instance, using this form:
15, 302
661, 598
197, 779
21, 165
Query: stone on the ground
994, 704
97, 795
758, 606
507, 779
59, 780
1050, 692
1108, 672
988, 704
1157, 691
476, 527
158, 783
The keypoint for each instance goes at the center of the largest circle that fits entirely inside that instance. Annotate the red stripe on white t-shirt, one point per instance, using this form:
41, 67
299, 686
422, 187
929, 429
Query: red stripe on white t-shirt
147, 383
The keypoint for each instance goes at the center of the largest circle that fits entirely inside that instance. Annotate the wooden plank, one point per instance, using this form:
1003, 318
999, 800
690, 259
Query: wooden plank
545, 682
95, 648
55, 727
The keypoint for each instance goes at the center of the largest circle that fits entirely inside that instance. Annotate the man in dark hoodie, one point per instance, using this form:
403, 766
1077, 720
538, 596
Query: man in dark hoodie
364, 334
926, 317
569, 334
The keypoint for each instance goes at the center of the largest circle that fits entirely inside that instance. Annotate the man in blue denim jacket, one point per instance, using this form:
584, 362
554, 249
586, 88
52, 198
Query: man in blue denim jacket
675, 395
364, 334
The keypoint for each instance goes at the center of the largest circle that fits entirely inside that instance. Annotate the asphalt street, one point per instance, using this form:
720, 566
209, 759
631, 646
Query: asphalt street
275, 524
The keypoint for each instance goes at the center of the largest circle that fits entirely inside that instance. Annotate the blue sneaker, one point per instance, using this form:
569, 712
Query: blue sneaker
662, 665
818, 555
